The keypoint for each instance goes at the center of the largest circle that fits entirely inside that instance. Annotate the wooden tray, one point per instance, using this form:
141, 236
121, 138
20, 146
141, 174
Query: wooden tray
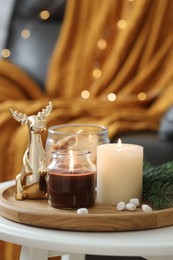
101, 217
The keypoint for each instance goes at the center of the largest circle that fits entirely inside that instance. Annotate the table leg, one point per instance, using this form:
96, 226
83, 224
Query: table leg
73, 257
28, 253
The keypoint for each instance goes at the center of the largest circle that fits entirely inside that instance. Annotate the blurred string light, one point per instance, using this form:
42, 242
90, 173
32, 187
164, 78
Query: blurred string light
142, 96
5, 53
85, 94
25, 34
102, 44
121, 24
97, 73
102, 48
111, 97
44, 15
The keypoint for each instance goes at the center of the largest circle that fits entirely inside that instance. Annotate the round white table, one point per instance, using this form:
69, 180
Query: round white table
40, 243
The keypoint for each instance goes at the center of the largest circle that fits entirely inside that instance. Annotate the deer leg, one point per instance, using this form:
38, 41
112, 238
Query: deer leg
20, 193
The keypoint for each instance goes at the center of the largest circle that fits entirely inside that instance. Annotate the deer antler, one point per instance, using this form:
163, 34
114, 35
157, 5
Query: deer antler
45, 112
22, 118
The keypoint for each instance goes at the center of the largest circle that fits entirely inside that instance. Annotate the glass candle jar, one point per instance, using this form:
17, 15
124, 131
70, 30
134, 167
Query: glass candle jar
76, 136
71, 179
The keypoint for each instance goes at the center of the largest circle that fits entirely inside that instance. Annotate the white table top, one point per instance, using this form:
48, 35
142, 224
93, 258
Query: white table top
134, 243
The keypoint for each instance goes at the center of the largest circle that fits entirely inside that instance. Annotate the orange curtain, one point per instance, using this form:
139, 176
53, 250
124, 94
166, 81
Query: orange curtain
112, 65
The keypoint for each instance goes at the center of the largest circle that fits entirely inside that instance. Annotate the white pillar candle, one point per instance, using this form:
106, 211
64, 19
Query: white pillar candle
119, 172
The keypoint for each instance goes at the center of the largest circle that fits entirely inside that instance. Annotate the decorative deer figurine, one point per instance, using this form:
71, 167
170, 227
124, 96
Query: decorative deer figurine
31, 181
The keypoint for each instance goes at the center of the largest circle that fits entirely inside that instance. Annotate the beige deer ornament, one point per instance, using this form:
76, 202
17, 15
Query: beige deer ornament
31, 181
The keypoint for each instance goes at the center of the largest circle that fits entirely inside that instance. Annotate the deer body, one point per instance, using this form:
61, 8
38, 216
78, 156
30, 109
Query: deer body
31, 181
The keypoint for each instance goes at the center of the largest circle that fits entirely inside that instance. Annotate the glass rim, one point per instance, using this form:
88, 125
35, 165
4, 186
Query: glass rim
55, 129
66, 152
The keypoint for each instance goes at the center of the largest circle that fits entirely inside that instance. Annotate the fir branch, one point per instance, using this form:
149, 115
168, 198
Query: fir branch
158, 185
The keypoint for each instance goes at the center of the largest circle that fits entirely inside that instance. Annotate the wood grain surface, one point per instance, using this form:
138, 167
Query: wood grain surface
101, 217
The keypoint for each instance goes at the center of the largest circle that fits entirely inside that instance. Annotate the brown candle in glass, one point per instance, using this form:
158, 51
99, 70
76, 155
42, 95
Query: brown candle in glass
71, 180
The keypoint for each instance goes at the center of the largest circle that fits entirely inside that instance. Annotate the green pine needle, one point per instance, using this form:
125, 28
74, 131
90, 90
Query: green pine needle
158, 185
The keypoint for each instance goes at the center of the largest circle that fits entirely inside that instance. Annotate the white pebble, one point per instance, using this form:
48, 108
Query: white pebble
146, 208
82, 211
130, 206
121, 205
134, 201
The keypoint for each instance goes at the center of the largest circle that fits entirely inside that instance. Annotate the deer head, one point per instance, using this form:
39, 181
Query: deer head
36, 123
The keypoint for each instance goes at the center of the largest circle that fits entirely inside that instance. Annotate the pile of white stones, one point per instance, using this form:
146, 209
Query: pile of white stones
132, 205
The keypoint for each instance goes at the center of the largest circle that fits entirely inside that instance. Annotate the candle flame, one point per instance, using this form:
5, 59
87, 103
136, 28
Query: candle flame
119, 144
71, 161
